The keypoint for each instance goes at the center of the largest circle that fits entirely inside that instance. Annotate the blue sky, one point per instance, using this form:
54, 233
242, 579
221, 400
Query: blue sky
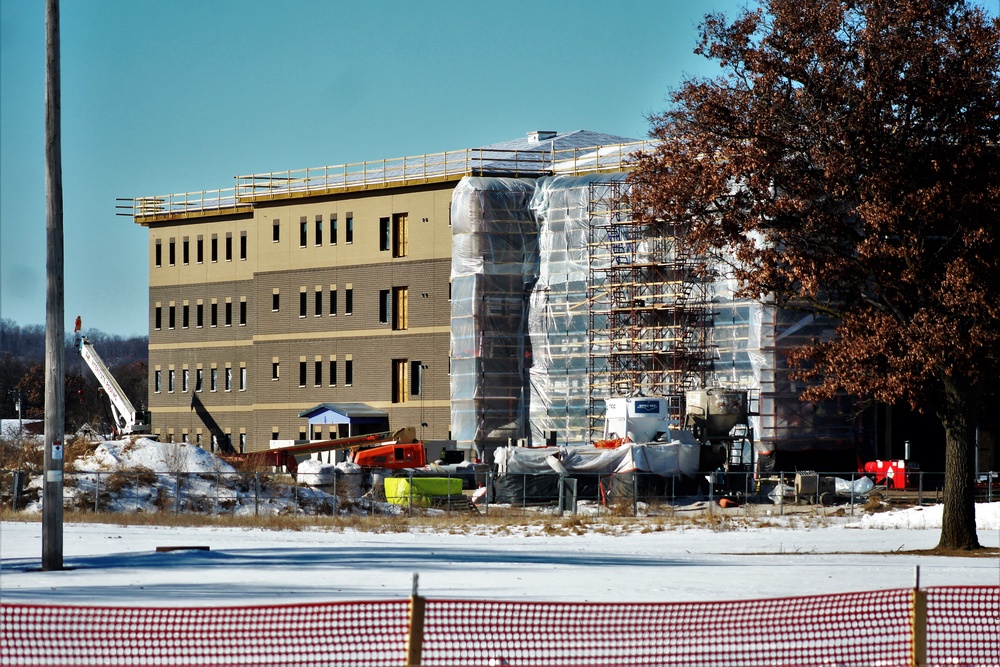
167, 97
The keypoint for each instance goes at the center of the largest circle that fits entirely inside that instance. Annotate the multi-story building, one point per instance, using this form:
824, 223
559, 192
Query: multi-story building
327, 285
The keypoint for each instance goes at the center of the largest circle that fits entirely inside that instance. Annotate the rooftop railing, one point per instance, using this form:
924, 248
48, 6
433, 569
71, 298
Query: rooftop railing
382, 173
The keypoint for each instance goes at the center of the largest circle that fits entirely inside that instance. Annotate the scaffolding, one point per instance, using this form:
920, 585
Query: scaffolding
651, 300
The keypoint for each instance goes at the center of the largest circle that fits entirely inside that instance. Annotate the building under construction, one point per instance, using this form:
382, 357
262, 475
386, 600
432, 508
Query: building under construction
562, 299
486, 295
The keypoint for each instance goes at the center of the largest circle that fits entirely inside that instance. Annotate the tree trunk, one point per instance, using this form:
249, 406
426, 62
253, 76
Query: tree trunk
960, 417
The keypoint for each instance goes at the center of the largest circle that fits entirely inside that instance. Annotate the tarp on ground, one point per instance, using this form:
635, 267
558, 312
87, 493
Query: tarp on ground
676, 458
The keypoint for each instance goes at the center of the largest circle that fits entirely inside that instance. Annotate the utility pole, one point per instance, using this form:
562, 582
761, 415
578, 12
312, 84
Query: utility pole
52, 498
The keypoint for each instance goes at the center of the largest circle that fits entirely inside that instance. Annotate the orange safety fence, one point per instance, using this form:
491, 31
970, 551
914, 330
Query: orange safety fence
961, 627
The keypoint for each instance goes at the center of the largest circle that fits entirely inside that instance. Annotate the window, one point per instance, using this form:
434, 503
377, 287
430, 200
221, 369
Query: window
158, 254
319, 230
157, 379
243, 245
243, 442
199, 315
302, 303
157, 317
383, 234
243, 378
214, 380
303, 232
215, 314
318, 307
243, 312
186, 250
185, 312
302, 373
333, 372
400, 369
348, 301
384, 305
349, 231
229, 246
199, 379
170, 317
200, 250
229, 378
333, 301
275, 370
399, 235
215, 248
275, 231
229, 313
333, 229
171, 253
348, 372
318, 370
416, 377
401, 306
275, 301
170, 381
184, 380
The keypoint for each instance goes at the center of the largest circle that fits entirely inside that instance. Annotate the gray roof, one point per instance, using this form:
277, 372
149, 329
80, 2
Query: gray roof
563, 141
350, 410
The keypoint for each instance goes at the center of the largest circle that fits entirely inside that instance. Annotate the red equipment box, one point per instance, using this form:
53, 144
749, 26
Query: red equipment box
892, 473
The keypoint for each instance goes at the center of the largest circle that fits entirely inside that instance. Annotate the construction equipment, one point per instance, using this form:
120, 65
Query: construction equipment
720, 416
387, 450
127, 420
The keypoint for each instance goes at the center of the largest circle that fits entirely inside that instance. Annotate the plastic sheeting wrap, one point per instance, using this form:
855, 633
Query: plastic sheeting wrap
526, 358
494, 262
559, 311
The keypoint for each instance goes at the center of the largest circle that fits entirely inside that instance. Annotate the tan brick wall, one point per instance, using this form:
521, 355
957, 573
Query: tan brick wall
288, 268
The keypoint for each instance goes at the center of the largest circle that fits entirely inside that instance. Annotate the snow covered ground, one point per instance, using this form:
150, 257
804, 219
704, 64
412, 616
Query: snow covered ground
115, 565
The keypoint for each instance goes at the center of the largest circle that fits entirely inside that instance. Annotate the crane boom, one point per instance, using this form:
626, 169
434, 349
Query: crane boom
127, 420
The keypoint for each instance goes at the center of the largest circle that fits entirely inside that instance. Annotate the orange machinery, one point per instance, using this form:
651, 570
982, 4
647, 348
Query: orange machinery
389, 449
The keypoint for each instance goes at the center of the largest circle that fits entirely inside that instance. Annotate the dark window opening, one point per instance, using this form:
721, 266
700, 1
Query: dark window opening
383, 234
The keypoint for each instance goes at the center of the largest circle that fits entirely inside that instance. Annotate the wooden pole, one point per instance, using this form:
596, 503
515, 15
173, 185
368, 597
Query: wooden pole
52, 498
415, 632
918, 624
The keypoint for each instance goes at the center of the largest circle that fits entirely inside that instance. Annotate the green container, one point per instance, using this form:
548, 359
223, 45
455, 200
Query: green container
397, 489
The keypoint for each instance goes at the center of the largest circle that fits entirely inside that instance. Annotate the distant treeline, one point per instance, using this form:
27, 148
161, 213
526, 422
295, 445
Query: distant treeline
22, 373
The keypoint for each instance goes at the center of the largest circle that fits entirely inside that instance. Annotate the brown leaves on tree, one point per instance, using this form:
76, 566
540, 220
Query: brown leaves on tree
848, 157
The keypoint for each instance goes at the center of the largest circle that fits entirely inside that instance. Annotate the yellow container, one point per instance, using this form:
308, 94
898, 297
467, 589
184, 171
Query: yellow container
398, 492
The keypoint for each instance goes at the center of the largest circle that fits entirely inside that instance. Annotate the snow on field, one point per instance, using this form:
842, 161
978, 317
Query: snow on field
114, 565
772, 556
